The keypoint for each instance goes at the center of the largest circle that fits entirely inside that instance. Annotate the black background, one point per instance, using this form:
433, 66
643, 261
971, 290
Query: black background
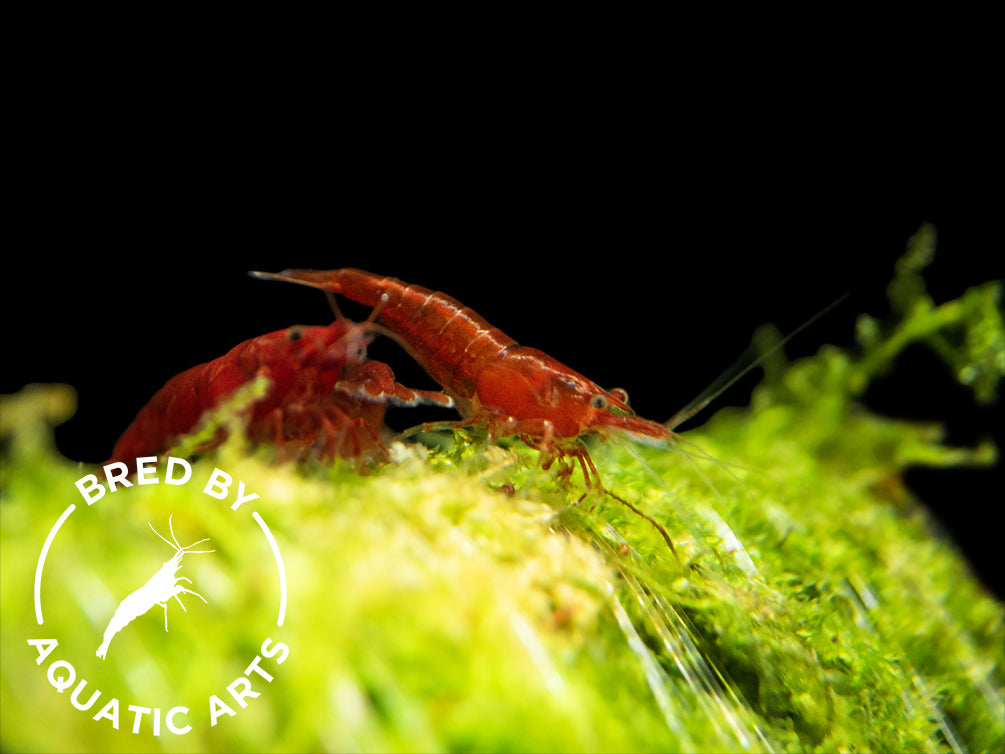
640, 241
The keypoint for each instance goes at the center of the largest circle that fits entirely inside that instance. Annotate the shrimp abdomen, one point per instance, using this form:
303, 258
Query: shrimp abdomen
449, 340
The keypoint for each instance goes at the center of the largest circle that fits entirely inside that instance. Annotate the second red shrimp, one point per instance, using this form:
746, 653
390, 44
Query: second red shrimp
322, 394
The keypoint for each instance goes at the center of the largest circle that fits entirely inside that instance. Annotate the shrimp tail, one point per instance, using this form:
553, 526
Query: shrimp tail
128, 610
449, 340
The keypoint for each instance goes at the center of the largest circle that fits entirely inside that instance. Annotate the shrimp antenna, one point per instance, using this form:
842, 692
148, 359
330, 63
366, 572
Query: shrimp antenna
334, 305
375, 312
740, 368
177, 545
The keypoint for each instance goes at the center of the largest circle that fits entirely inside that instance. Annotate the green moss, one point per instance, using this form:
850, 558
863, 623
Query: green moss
461, 599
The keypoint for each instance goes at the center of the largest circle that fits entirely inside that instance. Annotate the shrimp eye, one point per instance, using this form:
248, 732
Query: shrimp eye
621, 394
598, 402
295, 333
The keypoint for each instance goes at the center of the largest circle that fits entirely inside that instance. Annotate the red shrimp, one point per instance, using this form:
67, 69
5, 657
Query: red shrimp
322, 392
303, 365
512, 389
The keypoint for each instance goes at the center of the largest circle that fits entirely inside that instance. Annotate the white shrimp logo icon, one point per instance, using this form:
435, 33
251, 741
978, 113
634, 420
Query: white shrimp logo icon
158, 590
